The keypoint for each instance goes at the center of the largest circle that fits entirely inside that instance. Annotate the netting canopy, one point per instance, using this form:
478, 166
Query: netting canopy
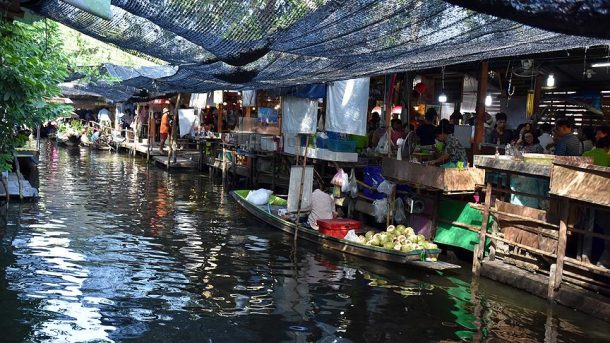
250, 44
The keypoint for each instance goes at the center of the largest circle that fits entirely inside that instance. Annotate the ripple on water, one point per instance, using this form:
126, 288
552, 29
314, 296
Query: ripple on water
117, 250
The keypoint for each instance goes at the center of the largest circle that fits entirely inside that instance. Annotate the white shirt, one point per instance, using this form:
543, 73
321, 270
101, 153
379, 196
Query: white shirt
545, 139
103, 115
322, 207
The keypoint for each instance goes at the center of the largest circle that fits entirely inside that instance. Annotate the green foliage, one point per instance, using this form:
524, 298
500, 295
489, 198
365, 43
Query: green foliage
32, 64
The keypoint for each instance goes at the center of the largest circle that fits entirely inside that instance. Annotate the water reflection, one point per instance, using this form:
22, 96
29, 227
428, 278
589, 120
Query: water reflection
117, 250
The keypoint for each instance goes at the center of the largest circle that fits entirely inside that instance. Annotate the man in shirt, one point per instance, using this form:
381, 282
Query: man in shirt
568, 144
425, 131
600, 152
322, 207
601, 132
454, 151
164, 129
500, 135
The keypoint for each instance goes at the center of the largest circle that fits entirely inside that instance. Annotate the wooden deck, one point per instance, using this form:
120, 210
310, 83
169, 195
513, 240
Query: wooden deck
180, 162
27, 191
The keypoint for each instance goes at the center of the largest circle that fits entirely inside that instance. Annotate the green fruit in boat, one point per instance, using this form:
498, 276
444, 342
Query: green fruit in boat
369, 235
391, 228
397, 246
421, 239
389, 245
412, 239
405, 248
376, 241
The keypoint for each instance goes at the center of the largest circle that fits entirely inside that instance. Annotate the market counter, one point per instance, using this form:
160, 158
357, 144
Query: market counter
448, 180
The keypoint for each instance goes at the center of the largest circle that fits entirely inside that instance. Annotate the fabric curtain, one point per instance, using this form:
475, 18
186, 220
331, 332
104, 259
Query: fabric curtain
299, 115
347, 105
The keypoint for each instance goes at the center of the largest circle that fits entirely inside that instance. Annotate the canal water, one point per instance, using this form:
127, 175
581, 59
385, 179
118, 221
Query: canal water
115, 250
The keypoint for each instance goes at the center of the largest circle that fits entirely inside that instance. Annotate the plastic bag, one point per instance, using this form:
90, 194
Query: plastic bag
344, 182
352, 236
341, 179
383, 146
353, 185
259, 196
399, 211
380, 209
385, 187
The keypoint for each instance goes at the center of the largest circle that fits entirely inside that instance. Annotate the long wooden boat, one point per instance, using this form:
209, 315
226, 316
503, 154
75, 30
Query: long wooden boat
267, 215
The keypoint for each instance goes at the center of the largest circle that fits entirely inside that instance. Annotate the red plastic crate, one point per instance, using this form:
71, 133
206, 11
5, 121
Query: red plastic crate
337, 228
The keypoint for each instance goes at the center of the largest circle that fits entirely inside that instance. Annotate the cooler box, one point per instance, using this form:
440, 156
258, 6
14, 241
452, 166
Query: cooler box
337, 228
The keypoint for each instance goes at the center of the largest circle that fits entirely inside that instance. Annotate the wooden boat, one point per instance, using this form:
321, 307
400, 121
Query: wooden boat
267, 214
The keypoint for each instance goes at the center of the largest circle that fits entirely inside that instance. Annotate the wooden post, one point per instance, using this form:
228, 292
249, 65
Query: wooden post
391, 204
18, 172
480, 251
219, 119
556, 275
148, 138
172, 137
479, 131
302, 185
38, 138
537, 94
437, 200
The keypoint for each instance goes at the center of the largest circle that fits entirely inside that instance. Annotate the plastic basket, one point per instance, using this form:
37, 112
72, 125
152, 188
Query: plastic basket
337, 228
340, 145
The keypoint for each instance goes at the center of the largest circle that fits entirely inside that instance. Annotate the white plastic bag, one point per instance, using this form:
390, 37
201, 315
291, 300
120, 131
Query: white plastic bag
352, 236
341, 179
383, 146
399, 211
386, 187
259, 196
344, 182
380, 209
353, 185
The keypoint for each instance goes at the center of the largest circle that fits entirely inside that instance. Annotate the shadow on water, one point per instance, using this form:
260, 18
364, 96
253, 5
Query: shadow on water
117, 250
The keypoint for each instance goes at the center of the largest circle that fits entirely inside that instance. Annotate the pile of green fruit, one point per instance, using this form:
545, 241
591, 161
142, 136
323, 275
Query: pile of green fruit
399, 238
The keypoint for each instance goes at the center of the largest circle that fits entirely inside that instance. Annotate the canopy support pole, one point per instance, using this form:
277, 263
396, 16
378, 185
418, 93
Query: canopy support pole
479, 131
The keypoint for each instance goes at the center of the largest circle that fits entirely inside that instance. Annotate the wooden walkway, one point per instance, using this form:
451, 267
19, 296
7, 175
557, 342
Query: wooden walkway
27, 191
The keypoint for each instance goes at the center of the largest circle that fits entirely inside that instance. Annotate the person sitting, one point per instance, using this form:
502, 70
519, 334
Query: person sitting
568, 143
529, 144
425, 131
600, 154
453, 151
322, 207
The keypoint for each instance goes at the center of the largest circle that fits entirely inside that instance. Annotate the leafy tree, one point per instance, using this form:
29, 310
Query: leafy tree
32, 64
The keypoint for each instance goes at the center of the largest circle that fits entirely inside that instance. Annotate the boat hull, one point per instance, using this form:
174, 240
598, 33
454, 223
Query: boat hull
342, 245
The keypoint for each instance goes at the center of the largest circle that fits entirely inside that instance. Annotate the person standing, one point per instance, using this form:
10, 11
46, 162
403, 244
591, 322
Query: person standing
425, 131
545, 139
164, 129
568, 144
500, 135
600, 154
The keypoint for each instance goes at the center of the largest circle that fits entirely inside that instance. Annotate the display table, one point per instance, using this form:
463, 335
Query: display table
448, 180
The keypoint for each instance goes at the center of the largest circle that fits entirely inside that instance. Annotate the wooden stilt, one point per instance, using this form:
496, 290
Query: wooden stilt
301, 186
19, 183
561, 249
479, 131
478, 257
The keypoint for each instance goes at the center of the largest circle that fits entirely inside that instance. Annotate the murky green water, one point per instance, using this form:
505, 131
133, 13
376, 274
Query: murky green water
118, 251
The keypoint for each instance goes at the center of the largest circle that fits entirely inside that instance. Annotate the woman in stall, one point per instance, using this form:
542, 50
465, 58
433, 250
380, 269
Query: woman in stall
454, 151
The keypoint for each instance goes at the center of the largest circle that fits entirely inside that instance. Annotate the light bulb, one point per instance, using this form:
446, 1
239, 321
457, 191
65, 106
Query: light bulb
442, 98
550, 81
488, 100
253, 108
